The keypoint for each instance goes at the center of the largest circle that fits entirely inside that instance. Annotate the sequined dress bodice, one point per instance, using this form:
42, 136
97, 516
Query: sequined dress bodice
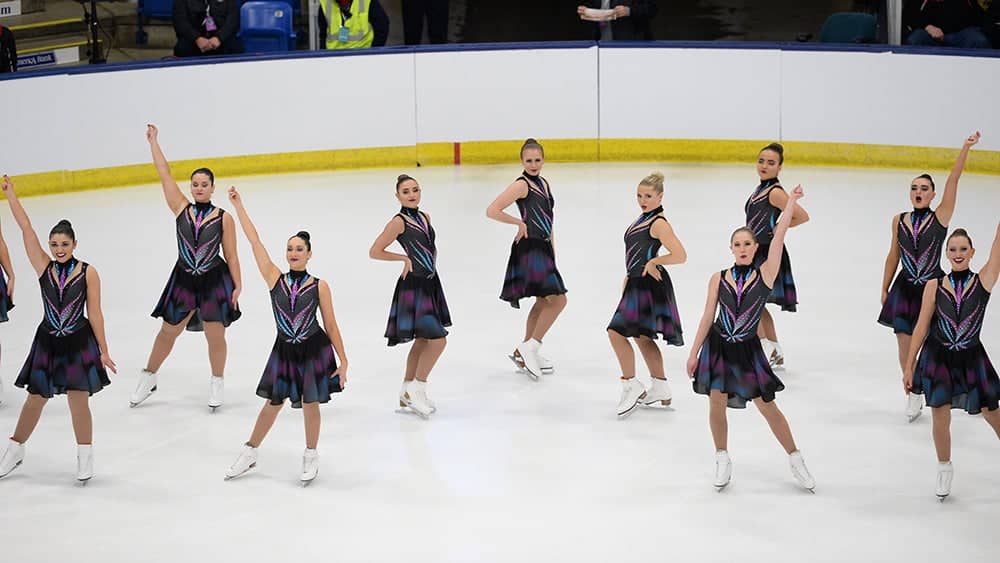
640, 245
537, 207
417, 240
959, 313
294, 300
199, 238
741, 305
64, 297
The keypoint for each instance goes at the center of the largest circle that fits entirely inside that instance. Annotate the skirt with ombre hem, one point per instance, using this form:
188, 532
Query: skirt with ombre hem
738, 369
902, 305
964, 379
209, 295
301, 372
531, 272
57, 364
418, 310
648, 308
783, 293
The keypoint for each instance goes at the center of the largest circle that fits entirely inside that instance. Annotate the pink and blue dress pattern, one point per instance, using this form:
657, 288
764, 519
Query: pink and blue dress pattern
531, 269
302, 359
731, 359
761, 218
64, 355
200, 281
920, 237
953, 368
419, 308
647, 306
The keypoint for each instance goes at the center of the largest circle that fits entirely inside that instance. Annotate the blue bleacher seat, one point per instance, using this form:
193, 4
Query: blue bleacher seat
266, 27
159, 9
848, 27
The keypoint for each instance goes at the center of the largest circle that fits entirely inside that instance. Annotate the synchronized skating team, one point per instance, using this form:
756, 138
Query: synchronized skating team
937, 317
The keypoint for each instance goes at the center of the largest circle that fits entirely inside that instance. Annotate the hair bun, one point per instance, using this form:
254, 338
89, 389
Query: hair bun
64, 223
530, 141
304, 235
402, 177
657, 174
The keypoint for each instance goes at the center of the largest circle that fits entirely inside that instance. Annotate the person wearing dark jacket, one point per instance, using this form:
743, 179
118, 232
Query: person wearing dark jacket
944, 23
207, 27
631, 20
8, 50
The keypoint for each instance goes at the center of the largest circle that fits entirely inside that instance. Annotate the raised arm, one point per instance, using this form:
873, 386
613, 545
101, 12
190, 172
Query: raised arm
779, 199
991, 270
268, 270
663, 232
171, 191
891, 259
920, 332
705, 324
769, 269
517, 190
8, 268
333, 331
393, 229
946, 208
96, 316
36, 254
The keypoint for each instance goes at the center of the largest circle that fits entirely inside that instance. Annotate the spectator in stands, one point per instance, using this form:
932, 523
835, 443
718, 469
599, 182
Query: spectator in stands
947, 23
413, 21
623, 20
991, 25
8, 50
356, 24
207, 27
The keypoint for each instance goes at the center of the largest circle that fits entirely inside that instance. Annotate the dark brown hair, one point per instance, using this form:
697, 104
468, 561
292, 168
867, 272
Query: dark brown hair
205, 171
928, 178
746, 230
530, 144
776, 147
63, 227
402, 178
304, 235
961, 233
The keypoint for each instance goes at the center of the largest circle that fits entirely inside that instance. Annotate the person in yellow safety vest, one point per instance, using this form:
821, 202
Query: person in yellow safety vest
355, 24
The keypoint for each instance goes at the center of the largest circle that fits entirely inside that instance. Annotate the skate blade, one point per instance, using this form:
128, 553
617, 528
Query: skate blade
406, 410
215, 408
307, 482
630, 410
720, 488
231, 477
16, 465
661, 404
941, 498
913, 417
83, 482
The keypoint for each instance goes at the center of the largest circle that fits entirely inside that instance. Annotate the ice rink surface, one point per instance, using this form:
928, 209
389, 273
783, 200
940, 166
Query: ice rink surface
508, 469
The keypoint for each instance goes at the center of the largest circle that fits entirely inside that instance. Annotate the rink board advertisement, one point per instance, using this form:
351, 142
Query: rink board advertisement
10, 8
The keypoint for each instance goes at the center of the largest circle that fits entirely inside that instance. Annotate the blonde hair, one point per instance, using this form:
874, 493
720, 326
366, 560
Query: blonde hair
654, 180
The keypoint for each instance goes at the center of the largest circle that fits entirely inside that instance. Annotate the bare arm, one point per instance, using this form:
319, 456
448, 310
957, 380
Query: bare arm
96, 317
988, 275
891, 259
946, 209
662, 231
8, 268
779, 199
705, 324
171, 191
232, 256
393, 229
920, 331
36, 254
268, 270
332, 330
517, 190
769, 269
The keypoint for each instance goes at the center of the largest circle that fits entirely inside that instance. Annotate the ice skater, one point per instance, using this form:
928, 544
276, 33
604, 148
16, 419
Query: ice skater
69, 354
647, 309
953, 371
6, 289
917, 238
531, 269
303, 366
762, 211
418, 312
727, 362
203, 290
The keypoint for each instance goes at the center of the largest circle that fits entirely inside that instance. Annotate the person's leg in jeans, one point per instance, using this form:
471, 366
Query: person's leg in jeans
921, 37
437, 21
968, 38
413, 21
